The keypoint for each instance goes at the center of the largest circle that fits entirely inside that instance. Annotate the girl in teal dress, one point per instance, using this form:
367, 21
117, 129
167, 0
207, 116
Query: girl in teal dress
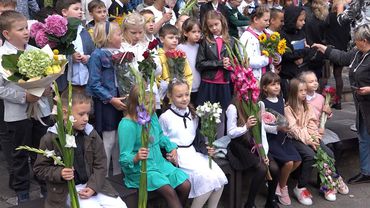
163, 176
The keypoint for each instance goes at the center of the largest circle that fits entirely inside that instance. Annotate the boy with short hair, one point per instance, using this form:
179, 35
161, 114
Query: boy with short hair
90, 162
98, 12
21, 130
234, 18
276, 20
78, 72
169, 36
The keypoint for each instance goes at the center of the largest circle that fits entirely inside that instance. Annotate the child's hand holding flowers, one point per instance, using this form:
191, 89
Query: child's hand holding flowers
226, 62
211, 151
67, 174
251, 121
142, 154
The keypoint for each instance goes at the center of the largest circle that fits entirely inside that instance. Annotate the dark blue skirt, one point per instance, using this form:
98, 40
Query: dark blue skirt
214, 93
283, 150
107, 117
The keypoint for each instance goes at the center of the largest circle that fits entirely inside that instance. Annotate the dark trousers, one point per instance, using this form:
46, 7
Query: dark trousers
25, 132
6, 142
307, 155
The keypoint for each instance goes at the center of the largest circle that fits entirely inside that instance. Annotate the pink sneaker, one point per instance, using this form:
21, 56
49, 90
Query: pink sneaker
330, 195
284, 198
278, 191
303, 195
342, 187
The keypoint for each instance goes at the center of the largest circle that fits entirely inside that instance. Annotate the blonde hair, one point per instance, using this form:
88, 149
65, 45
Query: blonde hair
102, 34
132, 20
334, 7
320, 9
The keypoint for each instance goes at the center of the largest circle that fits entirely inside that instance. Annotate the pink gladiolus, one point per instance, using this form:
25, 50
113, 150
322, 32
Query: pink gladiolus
56, 25
41, 39
35, 27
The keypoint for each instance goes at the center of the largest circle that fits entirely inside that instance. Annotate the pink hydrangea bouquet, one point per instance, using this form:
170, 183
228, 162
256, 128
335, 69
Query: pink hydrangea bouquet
57, 31
271, 117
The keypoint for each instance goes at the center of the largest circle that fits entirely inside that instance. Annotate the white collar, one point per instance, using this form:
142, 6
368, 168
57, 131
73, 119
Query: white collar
179, 111
215, 6
310, 97
119, 3
11, 49
88, 129
217, 36
273, 99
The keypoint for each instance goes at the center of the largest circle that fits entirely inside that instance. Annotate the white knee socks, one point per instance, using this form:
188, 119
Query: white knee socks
110, 141
213, 198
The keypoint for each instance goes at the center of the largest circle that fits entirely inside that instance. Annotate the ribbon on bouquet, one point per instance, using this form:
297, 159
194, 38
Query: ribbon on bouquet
34, 110
255, 147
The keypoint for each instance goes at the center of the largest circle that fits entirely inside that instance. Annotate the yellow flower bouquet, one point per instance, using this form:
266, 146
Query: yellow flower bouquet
273, 45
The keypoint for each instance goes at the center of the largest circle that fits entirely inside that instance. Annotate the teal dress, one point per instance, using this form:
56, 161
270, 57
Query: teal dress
160, 172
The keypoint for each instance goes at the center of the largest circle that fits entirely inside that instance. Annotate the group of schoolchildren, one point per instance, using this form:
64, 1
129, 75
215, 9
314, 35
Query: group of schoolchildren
183, 171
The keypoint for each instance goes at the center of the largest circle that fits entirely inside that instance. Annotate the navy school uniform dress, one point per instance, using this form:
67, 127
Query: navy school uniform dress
281, 147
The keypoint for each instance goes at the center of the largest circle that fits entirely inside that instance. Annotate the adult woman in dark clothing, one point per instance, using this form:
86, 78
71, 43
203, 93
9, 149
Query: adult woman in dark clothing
358, 60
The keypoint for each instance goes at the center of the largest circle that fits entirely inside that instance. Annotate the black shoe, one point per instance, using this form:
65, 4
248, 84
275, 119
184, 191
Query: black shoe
271, 204
23, 197
337, 106
359, 178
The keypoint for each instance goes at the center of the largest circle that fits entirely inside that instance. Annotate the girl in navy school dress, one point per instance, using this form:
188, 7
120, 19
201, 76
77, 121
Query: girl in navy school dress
280, 146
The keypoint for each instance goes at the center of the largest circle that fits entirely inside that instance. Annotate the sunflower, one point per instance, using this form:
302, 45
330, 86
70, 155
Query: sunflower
273, 37
266, 53
281, 46
262, 38
276, 34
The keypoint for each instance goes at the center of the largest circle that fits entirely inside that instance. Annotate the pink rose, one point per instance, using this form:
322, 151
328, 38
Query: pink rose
35, 27
268, 118
56, 25
41, 38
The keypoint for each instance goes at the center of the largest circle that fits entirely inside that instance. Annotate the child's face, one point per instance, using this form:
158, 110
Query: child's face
215, 26
99, 14
134, 34
116, 39
18, 35
170, 41
194, 34
181, 21
272, 89
311, 82
277, 22
301, 21
180, 96
74, 10
302, 92
149, 23
4, 8
263, 22
80, 112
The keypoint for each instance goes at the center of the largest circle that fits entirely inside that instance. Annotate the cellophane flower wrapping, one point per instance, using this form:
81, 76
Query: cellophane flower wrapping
330, 95
121, 63
273, 45
209, 114
176, 63
273, 118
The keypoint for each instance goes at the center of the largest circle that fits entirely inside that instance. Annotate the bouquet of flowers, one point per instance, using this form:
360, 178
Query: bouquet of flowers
121, 63
210, 117
57, 31
64, 143
273, 46
329, 178
273, 118
33, 70
247, 91
330, 96
176, 63
144, 113
147, 65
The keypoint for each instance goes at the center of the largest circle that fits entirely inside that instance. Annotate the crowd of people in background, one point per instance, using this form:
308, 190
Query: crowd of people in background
322, 35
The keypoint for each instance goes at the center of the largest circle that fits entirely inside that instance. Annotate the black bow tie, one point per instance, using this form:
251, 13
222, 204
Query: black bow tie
184, 117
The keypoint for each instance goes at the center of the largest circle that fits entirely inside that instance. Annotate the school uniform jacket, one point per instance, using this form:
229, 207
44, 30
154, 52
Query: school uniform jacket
96, 168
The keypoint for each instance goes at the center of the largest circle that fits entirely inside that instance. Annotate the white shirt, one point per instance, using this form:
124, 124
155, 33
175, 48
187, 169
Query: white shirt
79, 74
159, 14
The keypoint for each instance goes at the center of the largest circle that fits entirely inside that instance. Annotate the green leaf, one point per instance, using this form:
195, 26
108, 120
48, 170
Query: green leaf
9, 62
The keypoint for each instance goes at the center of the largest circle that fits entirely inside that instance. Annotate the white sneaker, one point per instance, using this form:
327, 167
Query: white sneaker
330, 195
303, 195
342, 187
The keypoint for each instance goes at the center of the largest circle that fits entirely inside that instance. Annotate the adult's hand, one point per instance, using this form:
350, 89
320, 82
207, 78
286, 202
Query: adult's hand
320, 47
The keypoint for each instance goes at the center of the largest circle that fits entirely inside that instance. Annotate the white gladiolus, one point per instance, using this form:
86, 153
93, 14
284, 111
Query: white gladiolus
58, 159
49, 153
72, 119
70, 141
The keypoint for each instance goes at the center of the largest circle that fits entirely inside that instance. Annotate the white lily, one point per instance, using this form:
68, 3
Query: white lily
72, 119
49, 153
70, 141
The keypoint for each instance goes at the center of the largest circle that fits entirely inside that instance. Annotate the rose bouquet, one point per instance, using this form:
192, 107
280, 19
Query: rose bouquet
247, 91
121, 63
271, 117
272, 45
209, 118
57, 31
65, 142
330, 96
329, 178
147, 65
144, 113
176, 63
